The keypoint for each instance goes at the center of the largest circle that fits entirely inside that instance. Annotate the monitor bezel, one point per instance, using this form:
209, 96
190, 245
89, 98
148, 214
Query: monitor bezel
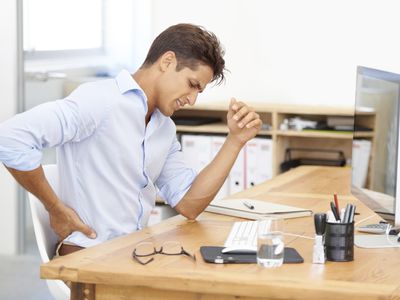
395, 78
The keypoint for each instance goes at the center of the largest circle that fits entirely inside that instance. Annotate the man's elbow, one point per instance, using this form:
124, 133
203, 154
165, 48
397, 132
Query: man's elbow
188, 213
191, 216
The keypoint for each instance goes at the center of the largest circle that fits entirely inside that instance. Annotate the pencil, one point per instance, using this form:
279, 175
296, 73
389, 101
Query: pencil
336, 203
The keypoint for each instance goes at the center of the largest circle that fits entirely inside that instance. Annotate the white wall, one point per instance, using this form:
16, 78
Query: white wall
128, 32
302, 52
8, 107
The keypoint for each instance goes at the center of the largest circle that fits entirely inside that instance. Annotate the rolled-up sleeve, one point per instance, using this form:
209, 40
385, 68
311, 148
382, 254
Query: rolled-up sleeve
175, 178
24, 136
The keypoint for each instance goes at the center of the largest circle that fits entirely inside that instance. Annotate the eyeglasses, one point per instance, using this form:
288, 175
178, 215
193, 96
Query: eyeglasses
146, 249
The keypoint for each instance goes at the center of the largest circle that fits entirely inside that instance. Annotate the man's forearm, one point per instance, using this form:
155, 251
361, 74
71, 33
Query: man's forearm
244, 124
36, 183
210, 180
63, 219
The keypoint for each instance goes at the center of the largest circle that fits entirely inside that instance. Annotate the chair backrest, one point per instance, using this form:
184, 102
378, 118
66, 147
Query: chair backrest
46, 238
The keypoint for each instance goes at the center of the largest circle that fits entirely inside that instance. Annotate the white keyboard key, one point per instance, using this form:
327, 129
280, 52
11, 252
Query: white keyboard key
242, 234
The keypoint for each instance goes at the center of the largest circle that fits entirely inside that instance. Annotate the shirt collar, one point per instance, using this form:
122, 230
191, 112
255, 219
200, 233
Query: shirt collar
126, 82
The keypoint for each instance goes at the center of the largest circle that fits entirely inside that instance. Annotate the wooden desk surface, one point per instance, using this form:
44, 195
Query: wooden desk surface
107, 271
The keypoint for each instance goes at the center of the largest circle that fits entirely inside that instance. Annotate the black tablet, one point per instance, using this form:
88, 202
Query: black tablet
214, 255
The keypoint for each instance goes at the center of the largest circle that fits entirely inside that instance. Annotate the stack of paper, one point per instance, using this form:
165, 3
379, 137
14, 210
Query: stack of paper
260, 209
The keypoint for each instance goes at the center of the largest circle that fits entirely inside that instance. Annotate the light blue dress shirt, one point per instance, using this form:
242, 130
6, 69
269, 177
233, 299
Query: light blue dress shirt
111, 165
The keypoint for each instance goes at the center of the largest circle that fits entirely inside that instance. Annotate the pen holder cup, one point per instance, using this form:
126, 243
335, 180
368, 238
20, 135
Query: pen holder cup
339, 241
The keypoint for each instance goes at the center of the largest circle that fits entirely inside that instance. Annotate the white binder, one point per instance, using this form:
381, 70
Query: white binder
259, 161
196, 150
216, 144
199, 151
236, 177
252, 166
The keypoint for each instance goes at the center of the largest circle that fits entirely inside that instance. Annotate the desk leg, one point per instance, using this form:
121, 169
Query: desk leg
82, 291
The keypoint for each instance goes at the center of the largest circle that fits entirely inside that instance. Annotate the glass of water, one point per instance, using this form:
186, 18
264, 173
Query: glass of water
270, 245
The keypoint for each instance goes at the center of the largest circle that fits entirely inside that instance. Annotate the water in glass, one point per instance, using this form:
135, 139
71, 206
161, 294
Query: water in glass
270, 250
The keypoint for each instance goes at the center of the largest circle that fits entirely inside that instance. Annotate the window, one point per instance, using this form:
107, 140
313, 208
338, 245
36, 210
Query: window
63, 26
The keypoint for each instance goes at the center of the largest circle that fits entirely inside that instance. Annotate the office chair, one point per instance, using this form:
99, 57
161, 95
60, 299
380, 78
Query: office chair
46, 238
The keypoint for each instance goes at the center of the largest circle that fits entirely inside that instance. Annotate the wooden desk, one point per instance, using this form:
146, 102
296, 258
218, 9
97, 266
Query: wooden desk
108, 271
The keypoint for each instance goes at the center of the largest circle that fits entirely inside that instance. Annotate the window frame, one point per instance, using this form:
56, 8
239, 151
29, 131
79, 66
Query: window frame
36, 55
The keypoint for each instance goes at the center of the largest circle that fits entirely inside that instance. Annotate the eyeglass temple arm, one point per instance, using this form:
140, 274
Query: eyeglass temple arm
188, 254
136, 257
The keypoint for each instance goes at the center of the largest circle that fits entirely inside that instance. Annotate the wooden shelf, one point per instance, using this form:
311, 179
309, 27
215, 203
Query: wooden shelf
207, 128
315, 134
364, 134
274, 114
279, 108
212, 128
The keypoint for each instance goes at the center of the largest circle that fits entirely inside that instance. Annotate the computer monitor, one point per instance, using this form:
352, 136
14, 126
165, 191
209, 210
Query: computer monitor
376, 148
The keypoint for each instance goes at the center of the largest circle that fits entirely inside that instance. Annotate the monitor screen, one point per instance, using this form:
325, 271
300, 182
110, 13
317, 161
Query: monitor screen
375, 161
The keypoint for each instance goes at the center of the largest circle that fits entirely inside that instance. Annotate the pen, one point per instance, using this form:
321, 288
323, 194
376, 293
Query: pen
334, 211
336, 203
347, 214
342, 214
353, 212
248, 205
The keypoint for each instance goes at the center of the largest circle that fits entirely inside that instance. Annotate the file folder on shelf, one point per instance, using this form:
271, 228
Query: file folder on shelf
258, 157
196, 150
216, 145
262, 209
236, 177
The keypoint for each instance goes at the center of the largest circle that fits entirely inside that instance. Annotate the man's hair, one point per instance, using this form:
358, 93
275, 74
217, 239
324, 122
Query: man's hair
192, 45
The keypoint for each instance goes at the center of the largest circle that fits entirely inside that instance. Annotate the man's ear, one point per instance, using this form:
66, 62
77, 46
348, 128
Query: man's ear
167, 60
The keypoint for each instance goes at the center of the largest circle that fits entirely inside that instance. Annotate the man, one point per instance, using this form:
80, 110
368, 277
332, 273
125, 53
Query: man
116, 143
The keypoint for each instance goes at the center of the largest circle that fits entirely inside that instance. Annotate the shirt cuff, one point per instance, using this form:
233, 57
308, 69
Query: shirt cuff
173, 197
22, 161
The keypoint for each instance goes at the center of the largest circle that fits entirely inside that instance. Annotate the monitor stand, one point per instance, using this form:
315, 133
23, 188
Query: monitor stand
376, 241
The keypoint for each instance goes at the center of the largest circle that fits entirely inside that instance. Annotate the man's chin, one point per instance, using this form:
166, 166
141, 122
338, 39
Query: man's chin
168, 113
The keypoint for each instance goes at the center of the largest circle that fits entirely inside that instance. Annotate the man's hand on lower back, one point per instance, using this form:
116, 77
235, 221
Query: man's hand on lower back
64, 220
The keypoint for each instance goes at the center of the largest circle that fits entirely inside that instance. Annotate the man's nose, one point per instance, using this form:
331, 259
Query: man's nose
192, 98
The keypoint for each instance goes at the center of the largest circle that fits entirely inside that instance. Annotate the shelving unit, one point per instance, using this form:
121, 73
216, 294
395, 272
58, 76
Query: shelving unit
274, 114
315, 134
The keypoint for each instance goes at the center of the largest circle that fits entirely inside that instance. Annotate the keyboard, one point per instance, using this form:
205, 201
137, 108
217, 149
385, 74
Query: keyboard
374, 228
242, 238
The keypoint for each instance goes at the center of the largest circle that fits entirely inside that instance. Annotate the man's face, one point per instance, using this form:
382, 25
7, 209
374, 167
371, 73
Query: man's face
178, 88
